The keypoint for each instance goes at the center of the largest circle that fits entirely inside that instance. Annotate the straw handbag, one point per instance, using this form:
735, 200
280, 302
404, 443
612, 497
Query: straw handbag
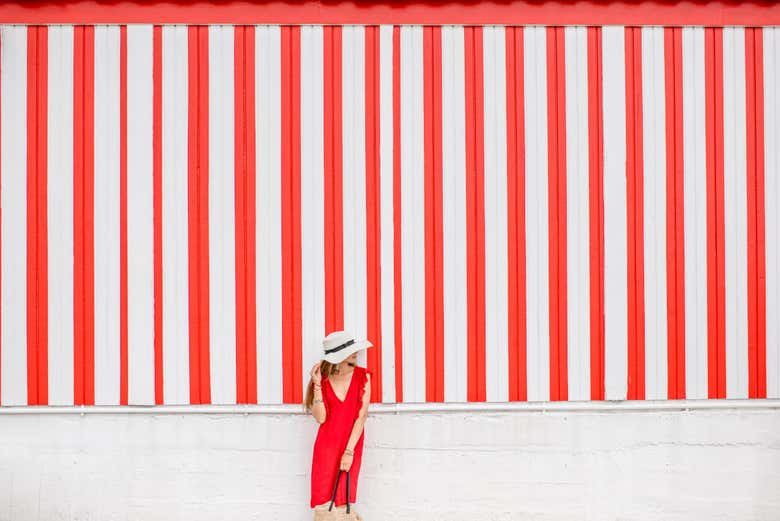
334, 513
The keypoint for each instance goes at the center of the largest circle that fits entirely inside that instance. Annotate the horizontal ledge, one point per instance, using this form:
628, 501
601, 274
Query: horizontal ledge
435, 12
398, 408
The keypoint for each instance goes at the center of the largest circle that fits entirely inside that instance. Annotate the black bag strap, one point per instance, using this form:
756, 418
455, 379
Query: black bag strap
336, 487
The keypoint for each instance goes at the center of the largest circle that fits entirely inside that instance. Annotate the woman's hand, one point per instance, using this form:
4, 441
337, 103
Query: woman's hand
346, 461
316, 377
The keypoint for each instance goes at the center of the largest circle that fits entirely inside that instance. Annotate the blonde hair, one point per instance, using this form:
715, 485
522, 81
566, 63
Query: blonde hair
326, 369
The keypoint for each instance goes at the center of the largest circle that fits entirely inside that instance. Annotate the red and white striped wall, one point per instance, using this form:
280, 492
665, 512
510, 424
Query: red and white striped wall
508, 213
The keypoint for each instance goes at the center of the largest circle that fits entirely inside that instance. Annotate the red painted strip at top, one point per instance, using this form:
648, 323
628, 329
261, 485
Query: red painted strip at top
561, 12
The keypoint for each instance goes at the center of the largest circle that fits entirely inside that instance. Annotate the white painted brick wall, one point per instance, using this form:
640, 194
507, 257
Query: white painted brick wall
514, 464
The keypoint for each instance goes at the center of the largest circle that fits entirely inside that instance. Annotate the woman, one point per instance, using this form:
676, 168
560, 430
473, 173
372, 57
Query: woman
337, 396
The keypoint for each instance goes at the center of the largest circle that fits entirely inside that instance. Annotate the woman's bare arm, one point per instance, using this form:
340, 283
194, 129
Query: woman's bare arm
318, 407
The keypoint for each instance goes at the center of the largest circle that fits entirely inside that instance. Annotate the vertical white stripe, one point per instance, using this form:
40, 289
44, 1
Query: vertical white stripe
454, 214
695, 218
222, 215
615, 248
140, 280
772, 205
735, 210
59, 215
268, 200
175, 221
387, 244
413, 214
13, 191
496, 247
577, 214
537, 267
312, 197
353, 103
654, 216
106, 215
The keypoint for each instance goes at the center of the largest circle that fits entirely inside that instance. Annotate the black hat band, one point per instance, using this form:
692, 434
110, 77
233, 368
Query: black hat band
340, 347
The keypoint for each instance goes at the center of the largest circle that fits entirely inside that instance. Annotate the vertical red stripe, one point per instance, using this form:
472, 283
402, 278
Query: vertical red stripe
716, 277
754, 70
397, 281
37, 288
434, 277
517, 326
32, 220
556, 150
42, 299
675, 229
192, 214
78, 216
634, 208
291, 214
333, 219
251, 216
475, 213
203, 212
83, 218
89, 215
240, 202
1, 223
596, 211
246, 332
157, 211
373, 213
123, 215
198, 148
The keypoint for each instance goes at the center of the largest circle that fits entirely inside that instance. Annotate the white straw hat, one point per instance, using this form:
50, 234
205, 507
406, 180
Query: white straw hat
339, 345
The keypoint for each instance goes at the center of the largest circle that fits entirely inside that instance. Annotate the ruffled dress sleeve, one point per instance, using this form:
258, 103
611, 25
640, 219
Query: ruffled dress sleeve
362, 389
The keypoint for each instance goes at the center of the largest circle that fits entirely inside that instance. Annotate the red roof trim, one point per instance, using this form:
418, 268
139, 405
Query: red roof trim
505, 12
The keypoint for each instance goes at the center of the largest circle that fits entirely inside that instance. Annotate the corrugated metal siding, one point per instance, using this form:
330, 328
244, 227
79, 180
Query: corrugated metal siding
508, 213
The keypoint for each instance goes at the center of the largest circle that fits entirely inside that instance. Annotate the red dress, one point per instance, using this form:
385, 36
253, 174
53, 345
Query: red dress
332, 438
